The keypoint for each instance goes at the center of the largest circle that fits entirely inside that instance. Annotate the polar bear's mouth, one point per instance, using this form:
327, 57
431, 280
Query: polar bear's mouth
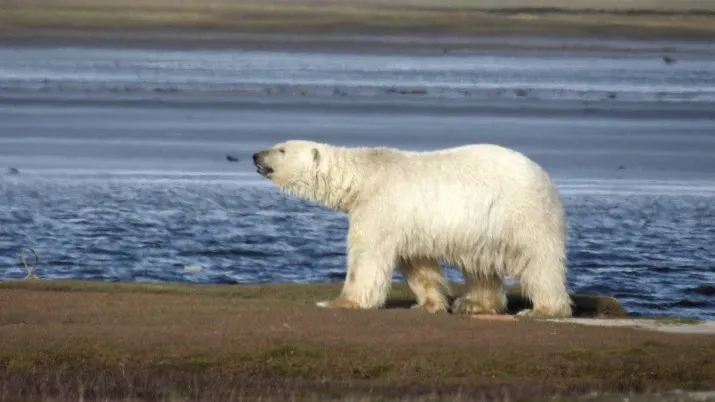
263, 170
261, 167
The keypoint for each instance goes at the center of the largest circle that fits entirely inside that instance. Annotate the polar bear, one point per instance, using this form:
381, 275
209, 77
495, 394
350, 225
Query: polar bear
487, 209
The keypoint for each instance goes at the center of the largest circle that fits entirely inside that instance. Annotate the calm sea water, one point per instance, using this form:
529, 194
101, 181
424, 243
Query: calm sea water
123, 175
563, 76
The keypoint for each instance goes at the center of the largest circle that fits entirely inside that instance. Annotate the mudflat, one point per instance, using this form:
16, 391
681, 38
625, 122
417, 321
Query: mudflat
63, 339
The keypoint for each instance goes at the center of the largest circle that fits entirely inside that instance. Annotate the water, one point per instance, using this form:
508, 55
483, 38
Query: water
638, 77
124, 178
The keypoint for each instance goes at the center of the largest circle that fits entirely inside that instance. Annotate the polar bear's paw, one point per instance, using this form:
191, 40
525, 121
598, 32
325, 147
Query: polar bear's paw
339, 303
431, 306
467, 306
541, 313
527, 313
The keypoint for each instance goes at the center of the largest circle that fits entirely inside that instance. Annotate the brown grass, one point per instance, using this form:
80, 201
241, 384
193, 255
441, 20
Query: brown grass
62, 339
637, 17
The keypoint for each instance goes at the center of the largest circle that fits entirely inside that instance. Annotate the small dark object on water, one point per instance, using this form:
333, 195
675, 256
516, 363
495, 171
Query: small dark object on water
706, 290
413, 92
689, 303
612, 95
521, 92
12, 170
621, 167
231, 158
336, 276
394, 90
668, 60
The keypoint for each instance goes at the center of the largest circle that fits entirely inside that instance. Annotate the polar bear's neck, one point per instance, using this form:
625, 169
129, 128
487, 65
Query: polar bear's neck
343, 175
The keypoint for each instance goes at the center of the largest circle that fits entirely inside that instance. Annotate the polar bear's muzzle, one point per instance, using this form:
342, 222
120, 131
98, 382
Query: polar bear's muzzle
261, 166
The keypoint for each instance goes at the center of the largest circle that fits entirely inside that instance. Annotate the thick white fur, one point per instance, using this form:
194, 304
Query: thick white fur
487, 209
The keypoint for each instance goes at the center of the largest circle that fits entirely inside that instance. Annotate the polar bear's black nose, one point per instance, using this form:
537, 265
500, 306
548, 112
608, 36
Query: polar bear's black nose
258, 157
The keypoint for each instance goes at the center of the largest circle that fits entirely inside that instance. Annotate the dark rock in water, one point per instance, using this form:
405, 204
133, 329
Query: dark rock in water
521, 92
12, 170
336, 276
707, 290
668, 60
231, 158
226, 280
688, 303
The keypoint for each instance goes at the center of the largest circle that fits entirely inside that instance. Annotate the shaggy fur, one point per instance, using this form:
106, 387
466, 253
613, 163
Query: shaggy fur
487, 209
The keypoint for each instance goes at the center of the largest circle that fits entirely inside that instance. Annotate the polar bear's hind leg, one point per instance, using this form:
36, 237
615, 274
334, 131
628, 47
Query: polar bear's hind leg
484, 294
543, 282
426, 280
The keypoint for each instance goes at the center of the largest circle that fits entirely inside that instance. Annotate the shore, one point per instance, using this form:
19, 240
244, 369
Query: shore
333, 24
63, 339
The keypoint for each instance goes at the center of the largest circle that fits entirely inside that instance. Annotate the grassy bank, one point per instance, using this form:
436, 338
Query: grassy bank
201, 342
641, 18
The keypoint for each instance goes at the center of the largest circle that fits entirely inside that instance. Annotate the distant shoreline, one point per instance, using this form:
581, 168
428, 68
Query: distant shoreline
351, 43
424, 25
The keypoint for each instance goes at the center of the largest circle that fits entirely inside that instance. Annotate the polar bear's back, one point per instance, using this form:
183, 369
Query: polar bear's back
470, 188
469, 167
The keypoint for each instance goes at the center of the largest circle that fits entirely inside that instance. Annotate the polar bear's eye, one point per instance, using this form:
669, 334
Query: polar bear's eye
281, 150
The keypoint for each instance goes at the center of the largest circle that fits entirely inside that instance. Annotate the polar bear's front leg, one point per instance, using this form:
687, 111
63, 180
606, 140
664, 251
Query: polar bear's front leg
340, 302
369, 271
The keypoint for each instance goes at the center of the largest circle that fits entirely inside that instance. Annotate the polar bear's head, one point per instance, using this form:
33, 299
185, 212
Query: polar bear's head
288, 161
293, 165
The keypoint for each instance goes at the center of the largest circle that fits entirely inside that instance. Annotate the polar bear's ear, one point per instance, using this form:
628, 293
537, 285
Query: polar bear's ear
316, 155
